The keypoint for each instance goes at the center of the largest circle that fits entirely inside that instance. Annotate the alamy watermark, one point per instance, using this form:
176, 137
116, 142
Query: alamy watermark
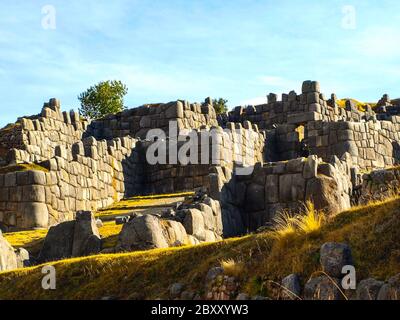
349, 20
49, 21
49, 281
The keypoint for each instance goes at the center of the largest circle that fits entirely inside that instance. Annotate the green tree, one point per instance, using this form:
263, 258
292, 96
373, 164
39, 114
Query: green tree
220, 105
103, 98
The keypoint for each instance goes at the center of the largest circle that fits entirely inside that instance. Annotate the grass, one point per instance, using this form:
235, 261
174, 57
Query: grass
33, 240
232, 268
361, 106
311, 220
22, 167
126, 206
29, 240
371, 231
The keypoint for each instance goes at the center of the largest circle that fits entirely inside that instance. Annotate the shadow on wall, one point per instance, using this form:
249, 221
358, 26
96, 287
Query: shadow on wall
396, 152
133, 172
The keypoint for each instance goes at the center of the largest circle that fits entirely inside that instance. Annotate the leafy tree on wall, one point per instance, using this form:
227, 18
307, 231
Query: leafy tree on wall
103, 98
220, 105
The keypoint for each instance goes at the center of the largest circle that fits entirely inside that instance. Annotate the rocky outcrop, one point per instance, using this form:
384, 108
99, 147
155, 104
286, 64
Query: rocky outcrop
8, 257
291, 288
322, 288
252, 201
142, 233
191, 223
368, 289
72, 239
390, 290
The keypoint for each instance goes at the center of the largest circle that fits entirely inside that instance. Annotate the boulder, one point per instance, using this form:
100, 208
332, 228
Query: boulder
23, 259
72, 239
291, 287
326, 195
322, 288
333, 257
194, 224
8, 258
368, 289
175, 233
86, 235
142, 233
391, 289
58, 242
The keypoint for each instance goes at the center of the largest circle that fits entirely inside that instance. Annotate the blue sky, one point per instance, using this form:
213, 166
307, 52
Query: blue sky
189, 49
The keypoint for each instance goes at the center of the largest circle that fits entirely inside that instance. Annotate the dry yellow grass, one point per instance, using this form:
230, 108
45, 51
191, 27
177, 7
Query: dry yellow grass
308, 221
361, 106
232, 267
126, 206
371, 231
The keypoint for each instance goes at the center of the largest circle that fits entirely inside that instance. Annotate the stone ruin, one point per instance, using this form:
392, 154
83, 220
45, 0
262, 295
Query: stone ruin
304, 147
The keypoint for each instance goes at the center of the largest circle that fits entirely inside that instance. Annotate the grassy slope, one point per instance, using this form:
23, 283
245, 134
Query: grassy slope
32, 240
372, 232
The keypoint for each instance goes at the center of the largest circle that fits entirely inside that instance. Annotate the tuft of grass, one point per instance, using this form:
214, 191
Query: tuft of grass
309, 221
312, 220
232, 267
284, 225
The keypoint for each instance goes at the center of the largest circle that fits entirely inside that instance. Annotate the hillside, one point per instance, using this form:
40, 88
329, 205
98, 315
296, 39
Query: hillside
260, 258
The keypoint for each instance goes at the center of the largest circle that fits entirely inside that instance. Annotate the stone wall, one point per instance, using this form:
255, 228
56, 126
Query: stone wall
229, 147
310, 105
138, 121
377, 185
372, 144
35, 138
89, 176
250, 202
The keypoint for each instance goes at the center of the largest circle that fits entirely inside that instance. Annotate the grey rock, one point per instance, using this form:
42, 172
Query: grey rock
214, 273
175, 290
368, 289
322, 288
8, 258
86, 235
333, 257
142, 233
242, 297
58, 242
292, 288
391, 289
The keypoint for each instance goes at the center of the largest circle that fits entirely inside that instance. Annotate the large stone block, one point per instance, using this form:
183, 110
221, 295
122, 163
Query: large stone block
58, 242
272, 189
86, 235
8, 258
194, 224
35, 215
255, 197
142, 233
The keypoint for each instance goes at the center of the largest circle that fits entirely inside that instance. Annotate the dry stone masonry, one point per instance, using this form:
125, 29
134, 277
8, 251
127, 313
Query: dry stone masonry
269, 158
